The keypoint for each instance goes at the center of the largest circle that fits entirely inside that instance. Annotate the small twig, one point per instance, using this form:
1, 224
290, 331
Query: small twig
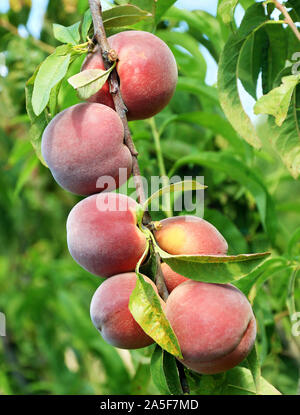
183, 379
288, 18
12, 29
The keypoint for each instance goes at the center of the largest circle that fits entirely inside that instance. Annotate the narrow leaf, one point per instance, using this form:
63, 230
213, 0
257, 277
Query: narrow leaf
124, 15
51, 71
220, 269
157, 371
253, 364
146, 309
38, 123
86, 24
68, 34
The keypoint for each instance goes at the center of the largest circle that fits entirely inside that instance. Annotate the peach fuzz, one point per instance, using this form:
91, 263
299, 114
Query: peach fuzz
84, 143
103, 236
214, 324
147, 71
189, 235
110, 313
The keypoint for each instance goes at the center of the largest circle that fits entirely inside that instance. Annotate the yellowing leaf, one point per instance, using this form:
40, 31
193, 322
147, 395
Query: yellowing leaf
277, 101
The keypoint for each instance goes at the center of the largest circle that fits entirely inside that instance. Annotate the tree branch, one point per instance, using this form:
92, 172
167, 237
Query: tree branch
109, 56
288, 18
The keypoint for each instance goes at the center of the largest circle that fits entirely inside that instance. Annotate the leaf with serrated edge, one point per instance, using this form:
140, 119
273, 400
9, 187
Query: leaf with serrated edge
145, 306
277, 101
220, 269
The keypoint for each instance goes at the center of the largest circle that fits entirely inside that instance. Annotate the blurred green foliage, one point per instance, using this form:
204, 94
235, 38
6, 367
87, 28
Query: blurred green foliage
51, 345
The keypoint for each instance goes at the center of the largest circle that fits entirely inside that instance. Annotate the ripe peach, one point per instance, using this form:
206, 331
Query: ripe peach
110, 313
84, 143
147, 71
214, 324
190, 235
102, 234
172, 278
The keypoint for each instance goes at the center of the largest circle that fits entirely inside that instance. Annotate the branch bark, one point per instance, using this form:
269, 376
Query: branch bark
288, 18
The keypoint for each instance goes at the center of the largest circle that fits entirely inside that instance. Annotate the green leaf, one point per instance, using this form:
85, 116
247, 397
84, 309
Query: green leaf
204, 27
161, 7
277, 101
236, 241
157, 371
68, 34
86, 24
26, 173
228, 74
174, 187
286, 139
146, 309
51, 71
38, 124
251, 58
262, 272
275, 55
90, 81
242, 174
164, 372
125, 15
220, 269
239, 381
226, 10
253, 364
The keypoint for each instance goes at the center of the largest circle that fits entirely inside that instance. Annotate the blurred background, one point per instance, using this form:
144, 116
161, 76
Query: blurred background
51, 346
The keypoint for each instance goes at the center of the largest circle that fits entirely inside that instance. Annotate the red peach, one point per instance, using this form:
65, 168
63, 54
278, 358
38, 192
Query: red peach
147, 71
103, 236
214, 324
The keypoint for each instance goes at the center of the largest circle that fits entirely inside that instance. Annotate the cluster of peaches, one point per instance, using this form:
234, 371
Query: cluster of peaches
214, 323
